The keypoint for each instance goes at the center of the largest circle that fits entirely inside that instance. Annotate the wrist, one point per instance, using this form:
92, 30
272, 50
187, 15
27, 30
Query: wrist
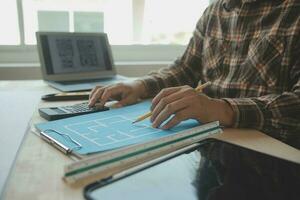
223, 112
140, 88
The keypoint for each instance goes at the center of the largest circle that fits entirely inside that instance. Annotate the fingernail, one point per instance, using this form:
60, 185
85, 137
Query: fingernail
91, 102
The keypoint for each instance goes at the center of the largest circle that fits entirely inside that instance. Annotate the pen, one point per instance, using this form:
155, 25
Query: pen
197, 89
72, 93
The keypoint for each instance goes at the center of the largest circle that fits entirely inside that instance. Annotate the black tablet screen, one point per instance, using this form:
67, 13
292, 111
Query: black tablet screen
222, 171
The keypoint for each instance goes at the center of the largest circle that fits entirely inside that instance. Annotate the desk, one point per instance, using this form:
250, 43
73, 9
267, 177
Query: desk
38, 167
13, 123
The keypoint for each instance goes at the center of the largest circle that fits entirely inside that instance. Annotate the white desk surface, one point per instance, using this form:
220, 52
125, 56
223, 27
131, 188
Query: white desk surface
38, 167
18, 100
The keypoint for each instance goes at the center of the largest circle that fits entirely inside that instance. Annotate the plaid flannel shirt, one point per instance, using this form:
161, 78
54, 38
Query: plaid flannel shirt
250, 51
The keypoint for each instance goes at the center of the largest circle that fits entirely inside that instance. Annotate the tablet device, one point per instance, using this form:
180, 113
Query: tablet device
189, 176
169, 177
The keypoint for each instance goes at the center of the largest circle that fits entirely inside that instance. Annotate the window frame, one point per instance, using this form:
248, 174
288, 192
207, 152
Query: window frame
121, 53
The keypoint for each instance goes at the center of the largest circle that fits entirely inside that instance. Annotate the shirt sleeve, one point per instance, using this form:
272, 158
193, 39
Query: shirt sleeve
185, 70
275, 114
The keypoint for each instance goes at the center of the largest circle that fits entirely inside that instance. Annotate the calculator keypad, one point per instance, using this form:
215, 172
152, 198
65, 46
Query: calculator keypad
78, 108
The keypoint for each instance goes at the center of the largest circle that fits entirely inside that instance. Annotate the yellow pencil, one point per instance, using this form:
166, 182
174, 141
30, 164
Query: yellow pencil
145, 116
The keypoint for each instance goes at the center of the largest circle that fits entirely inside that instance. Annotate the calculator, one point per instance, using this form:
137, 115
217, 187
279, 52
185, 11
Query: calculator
54, 113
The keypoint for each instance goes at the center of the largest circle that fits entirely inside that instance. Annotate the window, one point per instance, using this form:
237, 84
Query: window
111, 16
136, 28
170, 21
11, 35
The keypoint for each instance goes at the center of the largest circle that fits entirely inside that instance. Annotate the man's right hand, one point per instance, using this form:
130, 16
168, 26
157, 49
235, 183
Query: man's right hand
126, 93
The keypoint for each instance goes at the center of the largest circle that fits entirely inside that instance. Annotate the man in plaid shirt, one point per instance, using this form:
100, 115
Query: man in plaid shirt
249, 50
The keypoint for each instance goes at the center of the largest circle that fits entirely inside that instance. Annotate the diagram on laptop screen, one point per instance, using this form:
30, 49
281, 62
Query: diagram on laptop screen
108, 130
75, 54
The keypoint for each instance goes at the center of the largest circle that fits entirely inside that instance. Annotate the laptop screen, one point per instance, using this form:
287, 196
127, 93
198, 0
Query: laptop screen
73, 53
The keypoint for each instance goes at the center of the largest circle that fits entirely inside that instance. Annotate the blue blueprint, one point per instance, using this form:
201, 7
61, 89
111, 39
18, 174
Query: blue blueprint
102, 131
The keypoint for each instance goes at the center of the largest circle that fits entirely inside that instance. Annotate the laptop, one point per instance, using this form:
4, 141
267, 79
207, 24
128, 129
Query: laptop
76, 61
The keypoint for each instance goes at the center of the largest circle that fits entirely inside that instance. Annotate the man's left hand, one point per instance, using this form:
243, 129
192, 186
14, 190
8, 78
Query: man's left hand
185, 103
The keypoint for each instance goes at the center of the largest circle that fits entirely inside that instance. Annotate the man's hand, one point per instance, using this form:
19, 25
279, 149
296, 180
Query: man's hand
185, 103
125, 93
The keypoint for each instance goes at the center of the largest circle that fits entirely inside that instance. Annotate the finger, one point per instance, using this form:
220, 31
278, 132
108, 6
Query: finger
165, 101
110, 93
94, 90
128, 100
168, 111
177, 118
163, 93
97, 94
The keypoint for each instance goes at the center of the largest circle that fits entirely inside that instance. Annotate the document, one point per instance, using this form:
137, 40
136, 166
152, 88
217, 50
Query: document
108, 130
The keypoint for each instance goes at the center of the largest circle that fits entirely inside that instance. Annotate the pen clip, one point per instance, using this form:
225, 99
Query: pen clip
58, 144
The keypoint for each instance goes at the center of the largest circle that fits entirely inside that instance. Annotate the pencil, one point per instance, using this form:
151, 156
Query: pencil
197, 89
